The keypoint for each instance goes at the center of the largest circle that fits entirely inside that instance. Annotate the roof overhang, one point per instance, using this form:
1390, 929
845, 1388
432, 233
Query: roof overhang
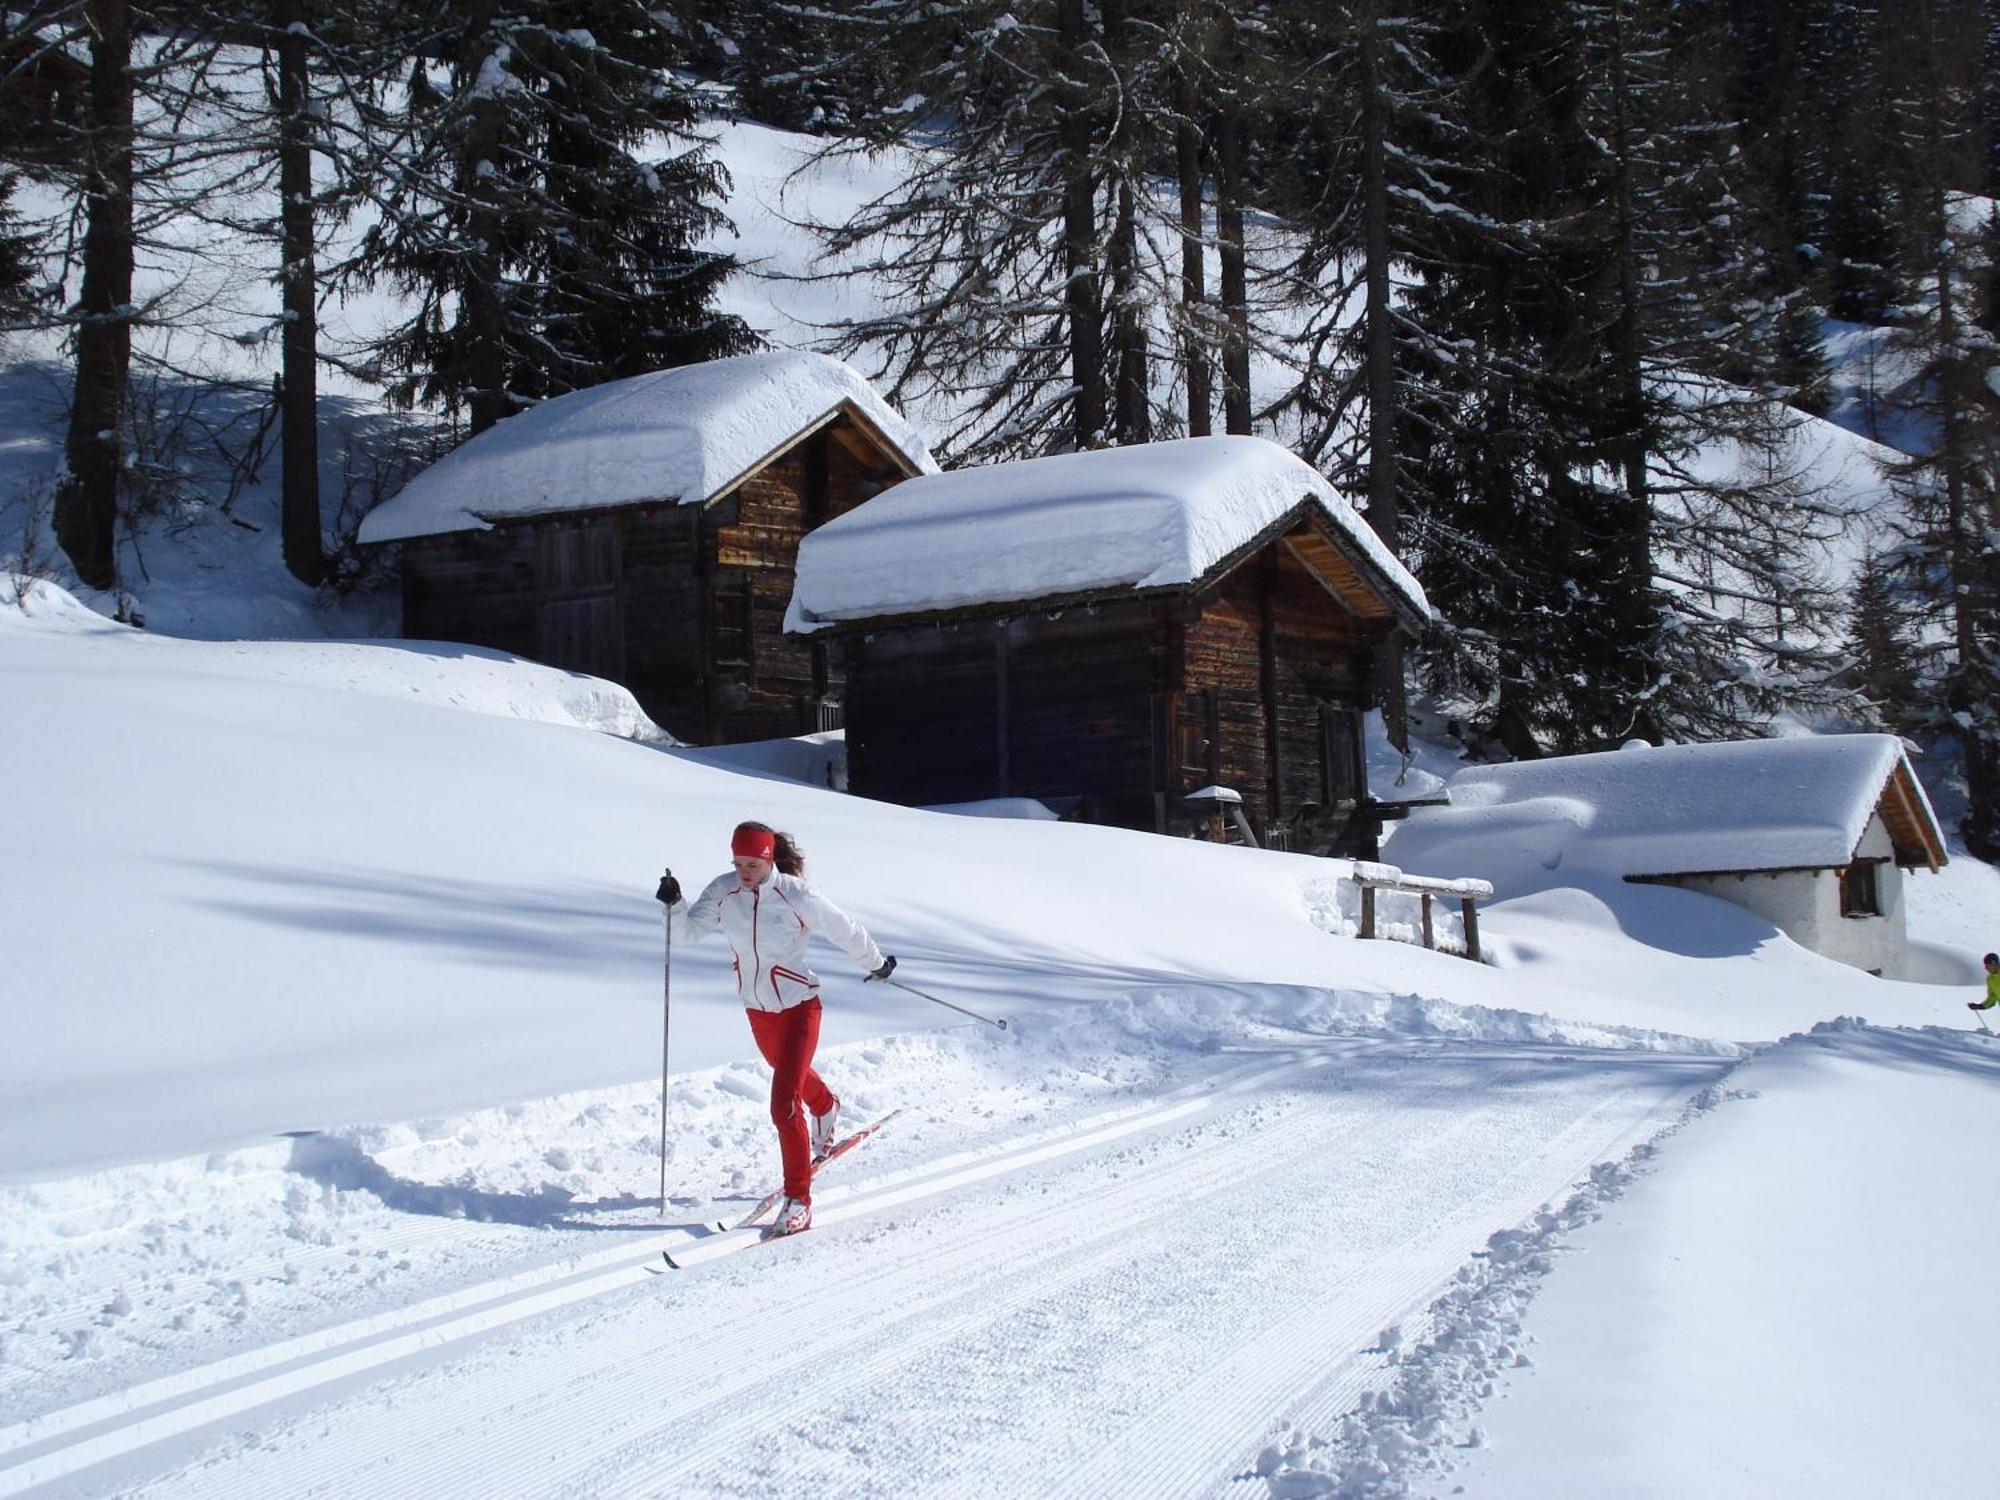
1336, 564
848, 409
1914, 837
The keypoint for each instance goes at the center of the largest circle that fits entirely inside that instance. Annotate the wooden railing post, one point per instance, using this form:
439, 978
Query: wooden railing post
1373, 879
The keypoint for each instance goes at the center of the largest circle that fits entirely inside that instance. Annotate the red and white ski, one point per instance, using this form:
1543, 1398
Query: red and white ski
770, 1201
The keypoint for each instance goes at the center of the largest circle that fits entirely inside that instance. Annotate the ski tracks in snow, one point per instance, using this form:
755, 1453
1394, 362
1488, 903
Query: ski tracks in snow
1131, 1304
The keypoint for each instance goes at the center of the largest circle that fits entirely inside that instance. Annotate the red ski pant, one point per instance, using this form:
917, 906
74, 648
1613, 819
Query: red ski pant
788, 1038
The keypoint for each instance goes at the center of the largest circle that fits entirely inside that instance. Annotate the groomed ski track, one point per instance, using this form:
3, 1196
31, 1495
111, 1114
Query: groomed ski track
1130, 1304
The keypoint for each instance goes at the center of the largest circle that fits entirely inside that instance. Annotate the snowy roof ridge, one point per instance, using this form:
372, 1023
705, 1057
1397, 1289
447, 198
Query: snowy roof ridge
1148, 516
679, 436
1736, 807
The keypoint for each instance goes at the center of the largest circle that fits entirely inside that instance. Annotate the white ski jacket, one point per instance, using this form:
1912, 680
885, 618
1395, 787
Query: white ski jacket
768, 928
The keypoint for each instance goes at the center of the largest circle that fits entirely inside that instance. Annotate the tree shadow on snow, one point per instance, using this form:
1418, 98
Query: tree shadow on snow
1911, 1049
567, 928
336, 1163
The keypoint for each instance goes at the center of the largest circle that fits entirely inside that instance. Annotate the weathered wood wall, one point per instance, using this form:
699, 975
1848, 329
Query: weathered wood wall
1032, 706
1257, 685
611, 593
1275, 681
684, 605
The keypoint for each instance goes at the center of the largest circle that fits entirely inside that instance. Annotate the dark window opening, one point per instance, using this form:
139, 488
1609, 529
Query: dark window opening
1860, 896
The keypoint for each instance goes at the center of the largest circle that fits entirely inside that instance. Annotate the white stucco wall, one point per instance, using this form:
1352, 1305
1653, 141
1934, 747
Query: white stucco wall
1805, 906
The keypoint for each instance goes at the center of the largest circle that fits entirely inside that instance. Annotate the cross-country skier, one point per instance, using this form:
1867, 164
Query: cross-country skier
768, 913
1992, 999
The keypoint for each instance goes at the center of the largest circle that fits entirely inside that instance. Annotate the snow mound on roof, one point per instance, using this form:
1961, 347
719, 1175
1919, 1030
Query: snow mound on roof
1667, 810
1148, 516
675, 435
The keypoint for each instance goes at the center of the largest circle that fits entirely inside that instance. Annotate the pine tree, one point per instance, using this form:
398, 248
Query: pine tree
1524, 549
1882, 647
544, 250
1952, 489
21, 290
1376, 166
87, 491
1042, 283
1688, 339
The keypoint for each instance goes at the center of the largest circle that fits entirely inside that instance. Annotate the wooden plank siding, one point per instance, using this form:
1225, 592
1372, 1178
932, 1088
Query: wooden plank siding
1258, 683
683, 604
1276, 677
1056, 708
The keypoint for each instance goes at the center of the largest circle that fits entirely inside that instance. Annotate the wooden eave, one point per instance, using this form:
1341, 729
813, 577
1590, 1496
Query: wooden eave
1914, 834
1333, 562
843, 408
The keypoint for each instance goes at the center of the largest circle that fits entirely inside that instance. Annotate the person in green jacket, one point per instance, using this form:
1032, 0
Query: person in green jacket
1992, 985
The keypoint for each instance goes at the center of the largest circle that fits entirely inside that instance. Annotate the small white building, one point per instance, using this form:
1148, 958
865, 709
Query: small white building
1813, 833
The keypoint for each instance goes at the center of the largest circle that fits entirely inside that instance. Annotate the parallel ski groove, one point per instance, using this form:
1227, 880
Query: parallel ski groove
1171, 1454
762, 1349
113, 1426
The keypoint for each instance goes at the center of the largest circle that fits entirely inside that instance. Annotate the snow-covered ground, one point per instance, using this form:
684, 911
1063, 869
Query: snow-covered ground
330, 1121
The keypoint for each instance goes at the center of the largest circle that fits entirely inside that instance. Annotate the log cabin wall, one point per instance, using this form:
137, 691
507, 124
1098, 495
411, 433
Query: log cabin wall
1221, 730
1276, 681
1324, 686
612, 593
766, 684
664, 617
682, 604
1031, 706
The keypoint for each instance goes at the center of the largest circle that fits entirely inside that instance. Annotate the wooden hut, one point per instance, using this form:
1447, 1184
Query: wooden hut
645, 531
1111, 631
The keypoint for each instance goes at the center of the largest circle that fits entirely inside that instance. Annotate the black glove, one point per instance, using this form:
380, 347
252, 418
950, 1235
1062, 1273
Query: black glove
888, 968
669, 893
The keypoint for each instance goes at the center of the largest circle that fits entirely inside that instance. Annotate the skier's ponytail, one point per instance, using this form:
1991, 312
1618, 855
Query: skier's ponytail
786, 853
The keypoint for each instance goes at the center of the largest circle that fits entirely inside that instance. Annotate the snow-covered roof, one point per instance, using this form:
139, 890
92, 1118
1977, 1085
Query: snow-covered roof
683, 435
1782, 804
1150, 516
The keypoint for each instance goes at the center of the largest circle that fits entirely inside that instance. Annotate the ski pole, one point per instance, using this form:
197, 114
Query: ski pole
989, 1020
666, 1033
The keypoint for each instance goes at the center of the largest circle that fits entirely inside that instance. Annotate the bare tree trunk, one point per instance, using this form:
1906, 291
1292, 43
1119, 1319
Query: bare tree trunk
1134, 420
1379, 354
86, 500
1194, 292
1625, 334
1379, 339
1132, 405
1965, 526
299, 389
1235, 278
1086, 318
485, 318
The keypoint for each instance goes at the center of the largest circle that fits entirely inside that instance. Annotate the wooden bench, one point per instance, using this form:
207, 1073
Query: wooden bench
1467, 892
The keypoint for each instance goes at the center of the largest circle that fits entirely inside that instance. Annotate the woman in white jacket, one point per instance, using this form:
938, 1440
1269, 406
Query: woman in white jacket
768, 913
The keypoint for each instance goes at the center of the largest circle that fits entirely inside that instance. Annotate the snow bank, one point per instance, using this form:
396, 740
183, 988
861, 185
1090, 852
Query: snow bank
1420, 1426
1790, 1301
442, 674
1150, 516
1672, 809
998, 807
684, 435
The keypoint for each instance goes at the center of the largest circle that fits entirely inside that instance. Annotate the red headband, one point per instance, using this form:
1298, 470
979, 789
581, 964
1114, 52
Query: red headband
755, 843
